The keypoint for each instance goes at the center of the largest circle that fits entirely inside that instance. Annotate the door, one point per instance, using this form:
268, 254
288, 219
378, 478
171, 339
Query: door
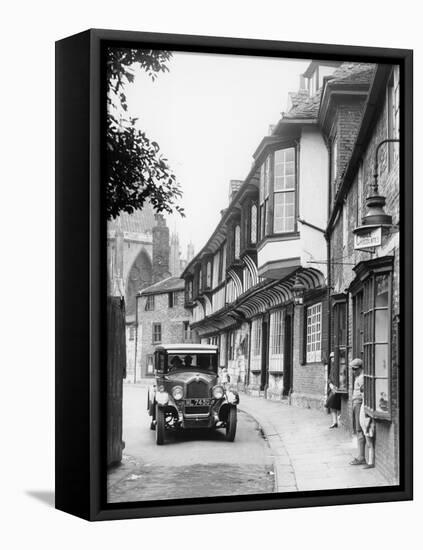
264, 354
287, 353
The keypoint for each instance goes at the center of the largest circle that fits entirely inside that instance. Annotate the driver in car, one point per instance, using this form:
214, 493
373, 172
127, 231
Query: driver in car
188, 361
176, 363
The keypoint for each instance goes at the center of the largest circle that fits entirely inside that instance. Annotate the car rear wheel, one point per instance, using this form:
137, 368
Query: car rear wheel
160, 426
231, 424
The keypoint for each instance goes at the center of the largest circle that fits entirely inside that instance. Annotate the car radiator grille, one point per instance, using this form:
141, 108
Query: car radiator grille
197, 410
197, 389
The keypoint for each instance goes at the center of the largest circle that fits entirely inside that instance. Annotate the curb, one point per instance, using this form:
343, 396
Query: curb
282, 464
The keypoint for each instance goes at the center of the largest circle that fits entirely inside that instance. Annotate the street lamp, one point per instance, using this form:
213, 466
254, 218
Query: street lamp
298, 289
369, 233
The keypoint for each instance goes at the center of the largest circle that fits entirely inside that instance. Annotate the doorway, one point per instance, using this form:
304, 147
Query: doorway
264, 353
287, 352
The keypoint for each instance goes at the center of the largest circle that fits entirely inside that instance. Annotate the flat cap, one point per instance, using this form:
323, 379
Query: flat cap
356, 363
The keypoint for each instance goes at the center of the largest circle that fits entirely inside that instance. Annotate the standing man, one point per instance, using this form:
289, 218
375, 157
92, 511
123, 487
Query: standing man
357, 400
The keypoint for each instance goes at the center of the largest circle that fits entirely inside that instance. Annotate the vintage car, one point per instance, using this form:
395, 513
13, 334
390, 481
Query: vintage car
188, 392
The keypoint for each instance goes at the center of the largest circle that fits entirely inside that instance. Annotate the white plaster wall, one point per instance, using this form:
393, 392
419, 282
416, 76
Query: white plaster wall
313, 196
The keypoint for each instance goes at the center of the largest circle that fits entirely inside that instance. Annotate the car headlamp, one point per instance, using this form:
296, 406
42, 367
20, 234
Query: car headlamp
218, 392
178, 393
162, 397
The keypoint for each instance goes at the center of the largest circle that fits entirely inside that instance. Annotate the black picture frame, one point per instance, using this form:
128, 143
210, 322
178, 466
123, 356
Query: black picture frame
80, 276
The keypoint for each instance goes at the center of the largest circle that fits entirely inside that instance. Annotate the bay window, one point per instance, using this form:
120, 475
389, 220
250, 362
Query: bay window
284, 191
253, 226
264, 196
278, 192
372, 335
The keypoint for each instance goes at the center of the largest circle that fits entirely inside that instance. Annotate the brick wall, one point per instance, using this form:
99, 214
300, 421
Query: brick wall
309, 379
342, 250
171, 320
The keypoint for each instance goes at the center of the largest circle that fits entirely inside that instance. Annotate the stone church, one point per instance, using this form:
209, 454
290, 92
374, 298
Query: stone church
141, 252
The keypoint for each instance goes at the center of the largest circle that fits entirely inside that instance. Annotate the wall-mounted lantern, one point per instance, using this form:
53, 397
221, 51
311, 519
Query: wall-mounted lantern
298, 290
369, 233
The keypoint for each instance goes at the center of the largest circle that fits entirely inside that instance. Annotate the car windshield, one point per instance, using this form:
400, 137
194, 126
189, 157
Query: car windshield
195, 361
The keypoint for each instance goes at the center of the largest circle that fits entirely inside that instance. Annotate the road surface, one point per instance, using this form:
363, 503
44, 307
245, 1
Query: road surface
197, 463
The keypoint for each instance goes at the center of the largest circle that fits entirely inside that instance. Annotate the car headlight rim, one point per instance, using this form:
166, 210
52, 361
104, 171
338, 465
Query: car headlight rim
177, 393
218, 392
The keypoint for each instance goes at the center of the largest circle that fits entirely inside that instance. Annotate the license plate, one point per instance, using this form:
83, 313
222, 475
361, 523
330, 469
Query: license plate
197, 402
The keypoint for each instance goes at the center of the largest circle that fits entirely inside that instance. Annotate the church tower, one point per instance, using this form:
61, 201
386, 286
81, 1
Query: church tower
161, 249
175, 262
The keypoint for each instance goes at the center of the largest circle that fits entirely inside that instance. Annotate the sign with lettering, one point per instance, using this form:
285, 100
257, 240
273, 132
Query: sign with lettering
369, 239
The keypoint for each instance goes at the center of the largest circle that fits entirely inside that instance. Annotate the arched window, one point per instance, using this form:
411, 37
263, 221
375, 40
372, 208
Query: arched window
237, 245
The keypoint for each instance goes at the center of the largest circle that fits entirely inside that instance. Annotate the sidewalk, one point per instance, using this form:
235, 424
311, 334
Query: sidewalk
307, 455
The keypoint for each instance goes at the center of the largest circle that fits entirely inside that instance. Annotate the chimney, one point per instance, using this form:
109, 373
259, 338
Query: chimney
234, 186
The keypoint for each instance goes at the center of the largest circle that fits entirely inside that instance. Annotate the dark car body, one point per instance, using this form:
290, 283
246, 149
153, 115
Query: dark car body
188, 392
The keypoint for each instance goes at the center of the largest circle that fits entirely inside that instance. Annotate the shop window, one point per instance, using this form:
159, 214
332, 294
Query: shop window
372, 328
276, 341
314, 333
340, 365
157, 333
149, 305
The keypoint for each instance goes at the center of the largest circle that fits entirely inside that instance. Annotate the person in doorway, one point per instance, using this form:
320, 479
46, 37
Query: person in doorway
357, 401
333, 401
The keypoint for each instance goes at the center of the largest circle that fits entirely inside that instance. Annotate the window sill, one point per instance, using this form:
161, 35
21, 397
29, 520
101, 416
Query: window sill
378, 415
291, 236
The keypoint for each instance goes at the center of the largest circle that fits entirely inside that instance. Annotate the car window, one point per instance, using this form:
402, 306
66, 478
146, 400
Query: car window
186, 361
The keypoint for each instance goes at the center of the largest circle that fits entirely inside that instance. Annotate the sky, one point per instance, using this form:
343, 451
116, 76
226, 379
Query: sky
209, 114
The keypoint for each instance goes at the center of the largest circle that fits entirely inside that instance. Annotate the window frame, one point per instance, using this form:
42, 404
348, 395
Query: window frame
340, 341
154, 329
364, 332
276, 340
286, 191
266, 202
150, 303
316, 358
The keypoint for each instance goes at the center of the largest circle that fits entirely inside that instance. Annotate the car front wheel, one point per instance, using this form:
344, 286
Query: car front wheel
231, 424
160, 426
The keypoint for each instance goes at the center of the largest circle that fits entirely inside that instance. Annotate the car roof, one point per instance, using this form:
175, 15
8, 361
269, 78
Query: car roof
190, 348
